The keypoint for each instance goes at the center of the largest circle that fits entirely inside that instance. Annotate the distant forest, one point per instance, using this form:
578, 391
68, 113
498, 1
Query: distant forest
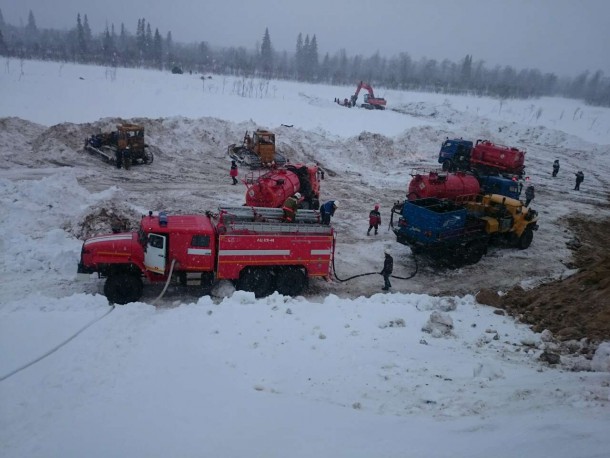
149, 49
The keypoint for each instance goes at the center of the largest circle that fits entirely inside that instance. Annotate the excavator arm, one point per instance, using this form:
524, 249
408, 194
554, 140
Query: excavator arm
370, 100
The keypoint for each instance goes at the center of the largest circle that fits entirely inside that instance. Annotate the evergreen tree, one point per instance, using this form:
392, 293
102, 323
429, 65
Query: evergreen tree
305, 59
267, 55
312, 57
87, 30
141, 37
169, 48
31, 29
3, 47
80, 38
466, 74
205, 57
157, 49
148, 42
1, 19
299, 56
108, 46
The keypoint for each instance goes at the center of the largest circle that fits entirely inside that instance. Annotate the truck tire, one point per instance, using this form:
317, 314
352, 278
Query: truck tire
474, 251
259, 281
447, 165
123, 288
526, 239
291, 281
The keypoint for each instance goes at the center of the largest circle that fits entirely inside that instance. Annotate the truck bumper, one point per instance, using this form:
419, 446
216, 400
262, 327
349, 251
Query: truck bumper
82, 269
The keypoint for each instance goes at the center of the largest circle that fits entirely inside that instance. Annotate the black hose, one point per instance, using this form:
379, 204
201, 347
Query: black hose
376, 273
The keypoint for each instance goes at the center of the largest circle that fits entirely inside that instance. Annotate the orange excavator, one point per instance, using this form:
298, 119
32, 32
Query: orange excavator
370, 101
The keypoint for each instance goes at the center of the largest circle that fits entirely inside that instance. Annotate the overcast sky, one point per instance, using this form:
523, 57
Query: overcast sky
561, 36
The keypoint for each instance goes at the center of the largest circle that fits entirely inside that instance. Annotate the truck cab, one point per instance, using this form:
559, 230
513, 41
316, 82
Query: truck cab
180, 244
455, 154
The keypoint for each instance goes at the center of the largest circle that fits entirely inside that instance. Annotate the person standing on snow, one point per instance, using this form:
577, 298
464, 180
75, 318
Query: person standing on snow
327, 210
529, 194
374, 220
388, 268
290, 207
555, 167
580, 177
233, 172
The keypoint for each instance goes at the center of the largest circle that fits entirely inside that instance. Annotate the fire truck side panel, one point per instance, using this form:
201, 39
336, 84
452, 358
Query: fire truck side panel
313, 252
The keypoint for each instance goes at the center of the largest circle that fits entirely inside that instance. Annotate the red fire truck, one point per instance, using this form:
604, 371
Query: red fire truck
250, 246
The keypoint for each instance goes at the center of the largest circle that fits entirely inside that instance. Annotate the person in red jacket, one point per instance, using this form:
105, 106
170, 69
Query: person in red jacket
374, 220
233, 172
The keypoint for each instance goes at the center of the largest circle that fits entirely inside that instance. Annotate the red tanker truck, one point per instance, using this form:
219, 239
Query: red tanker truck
453, 185
272, 188
249, 246
442, 185
484, 157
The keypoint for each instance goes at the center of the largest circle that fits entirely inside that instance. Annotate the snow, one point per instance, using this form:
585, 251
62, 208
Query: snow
345, 371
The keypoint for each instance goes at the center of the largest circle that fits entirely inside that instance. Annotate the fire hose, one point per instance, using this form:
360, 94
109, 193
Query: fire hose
376, 273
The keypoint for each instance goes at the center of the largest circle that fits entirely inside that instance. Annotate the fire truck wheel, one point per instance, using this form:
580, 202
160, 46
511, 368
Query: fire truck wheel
258, 281
291, 282
526, 239
123, 288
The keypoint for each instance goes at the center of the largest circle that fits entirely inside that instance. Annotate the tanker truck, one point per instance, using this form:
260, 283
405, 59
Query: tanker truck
453, 185
457, 233
271, 189
484, 157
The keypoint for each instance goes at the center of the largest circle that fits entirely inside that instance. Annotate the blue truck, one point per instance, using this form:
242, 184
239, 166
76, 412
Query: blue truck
458, 233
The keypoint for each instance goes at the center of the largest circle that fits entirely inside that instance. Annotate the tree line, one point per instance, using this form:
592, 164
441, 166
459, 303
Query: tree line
148, 48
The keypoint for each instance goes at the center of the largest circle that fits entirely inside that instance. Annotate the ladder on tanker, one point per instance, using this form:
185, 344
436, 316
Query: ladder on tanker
261, 219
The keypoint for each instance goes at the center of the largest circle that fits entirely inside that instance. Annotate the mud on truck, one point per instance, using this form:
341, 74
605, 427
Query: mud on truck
249, 246
455, 233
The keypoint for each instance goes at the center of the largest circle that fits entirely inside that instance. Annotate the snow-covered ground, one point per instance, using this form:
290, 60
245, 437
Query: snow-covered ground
344, 371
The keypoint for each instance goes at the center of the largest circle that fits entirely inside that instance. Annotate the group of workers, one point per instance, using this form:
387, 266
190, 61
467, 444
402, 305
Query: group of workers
580, 177
530, 191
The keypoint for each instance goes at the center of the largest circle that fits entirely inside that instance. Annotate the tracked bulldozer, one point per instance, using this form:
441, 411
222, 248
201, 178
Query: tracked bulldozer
124, 147
257, 151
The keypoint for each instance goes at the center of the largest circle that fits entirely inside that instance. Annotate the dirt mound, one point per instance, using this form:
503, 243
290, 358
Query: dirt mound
574, 308
105, 220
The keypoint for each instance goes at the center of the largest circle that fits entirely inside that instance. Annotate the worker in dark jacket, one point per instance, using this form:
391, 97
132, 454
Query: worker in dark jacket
580, 177
388, 267
233, 172
327, 210
374, 220
555, 167
290, 207
529, 194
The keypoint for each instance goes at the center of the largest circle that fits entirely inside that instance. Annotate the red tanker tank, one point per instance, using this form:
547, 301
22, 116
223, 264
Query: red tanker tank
497, 157
442, 185
272, 188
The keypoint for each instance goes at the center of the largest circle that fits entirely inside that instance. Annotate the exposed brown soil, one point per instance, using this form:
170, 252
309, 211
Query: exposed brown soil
576, 307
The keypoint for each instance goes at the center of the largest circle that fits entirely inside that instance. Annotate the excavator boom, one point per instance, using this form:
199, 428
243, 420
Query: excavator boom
370, 101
